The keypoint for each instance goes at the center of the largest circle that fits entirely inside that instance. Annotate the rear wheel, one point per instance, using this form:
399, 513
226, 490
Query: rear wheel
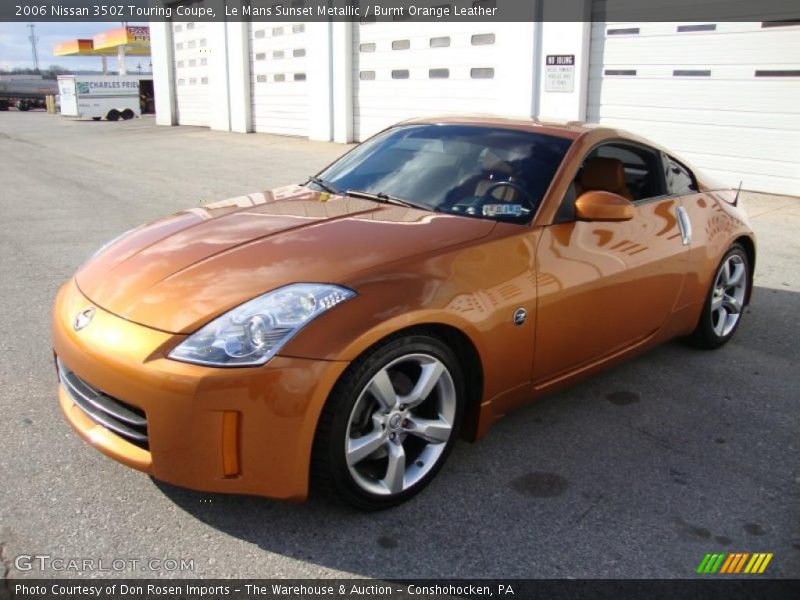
128, 114
113, 115
725, 302
389, 423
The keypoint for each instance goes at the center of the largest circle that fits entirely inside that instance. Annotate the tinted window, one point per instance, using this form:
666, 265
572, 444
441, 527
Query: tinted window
642, 168
475, 171
680, 180
631, 171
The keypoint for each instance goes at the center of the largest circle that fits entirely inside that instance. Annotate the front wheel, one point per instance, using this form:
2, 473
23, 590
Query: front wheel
389, 423
725, 301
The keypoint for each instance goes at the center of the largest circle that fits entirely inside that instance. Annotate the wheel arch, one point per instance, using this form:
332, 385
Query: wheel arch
469, 359
750, 249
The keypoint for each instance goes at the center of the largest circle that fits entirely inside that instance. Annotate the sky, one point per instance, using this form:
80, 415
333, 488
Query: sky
15, 49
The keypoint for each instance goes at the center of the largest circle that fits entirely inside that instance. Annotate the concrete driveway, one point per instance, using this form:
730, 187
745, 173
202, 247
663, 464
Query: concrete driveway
636, 473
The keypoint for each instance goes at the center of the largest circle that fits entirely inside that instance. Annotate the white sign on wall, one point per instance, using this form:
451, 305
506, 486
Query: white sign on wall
559, 73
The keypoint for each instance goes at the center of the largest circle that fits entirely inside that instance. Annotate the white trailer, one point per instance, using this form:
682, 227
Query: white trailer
96, 96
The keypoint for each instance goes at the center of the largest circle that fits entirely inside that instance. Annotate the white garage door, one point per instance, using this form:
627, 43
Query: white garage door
724, 95
191, 73
409, 70
278, 76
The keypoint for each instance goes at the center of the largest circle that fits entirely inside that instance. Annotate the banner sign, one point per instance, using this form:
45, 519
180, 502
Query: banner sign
106, 86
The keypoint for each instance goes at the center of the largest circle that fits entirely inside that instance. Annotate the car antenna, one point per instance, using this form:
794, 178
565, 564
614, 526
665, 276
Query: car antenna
736, 199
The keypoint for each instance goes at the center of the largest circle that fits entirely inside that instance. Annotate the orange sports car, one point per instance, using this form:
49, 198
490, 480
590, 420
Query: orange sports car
342, 333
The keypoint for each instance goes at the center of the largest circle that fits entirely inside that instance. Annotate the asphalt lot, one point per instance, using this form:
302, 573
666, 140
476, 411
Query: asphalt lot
636, 473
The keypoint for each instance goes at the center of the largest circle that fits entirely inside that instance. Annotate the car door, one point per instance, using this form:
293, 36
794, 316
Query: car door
606, 286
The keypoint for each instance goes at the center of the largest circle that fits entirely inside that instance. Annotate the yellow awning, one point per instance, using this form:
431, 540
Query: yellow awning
135, 39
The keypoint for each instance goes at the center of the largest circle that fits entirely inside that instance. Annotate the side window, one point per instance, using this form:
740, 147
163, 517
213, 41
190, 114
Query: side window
680, 180
630, 170
642, 168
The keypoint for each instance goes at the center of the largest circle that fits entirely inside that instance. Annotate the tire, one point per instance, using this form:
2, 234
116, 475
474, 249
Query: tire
725, 301
366, 433
23, 106
128, 114
4, 105
113, 115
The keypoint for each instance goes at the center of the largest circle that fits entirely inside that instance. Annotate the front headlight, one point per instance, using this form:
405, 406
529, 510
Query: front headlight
253, 333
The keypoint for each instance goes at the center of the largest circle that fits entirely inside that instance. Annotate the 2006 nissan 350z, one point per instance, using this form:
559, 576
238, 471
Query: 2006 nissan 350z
344, 332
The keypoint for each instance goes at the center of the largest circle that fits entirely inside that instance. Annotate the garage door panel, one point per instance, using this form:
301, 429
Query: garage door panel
732, 115
755, 97
746, 142
729, 118
776, 184
279, 83
422, 69
741, 73
712, 49
192, 81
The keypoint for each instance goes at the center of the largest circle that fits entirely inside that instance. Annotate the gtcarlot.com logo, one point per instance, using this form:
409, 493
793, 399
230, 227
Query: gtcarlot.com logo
46, 562
735, 563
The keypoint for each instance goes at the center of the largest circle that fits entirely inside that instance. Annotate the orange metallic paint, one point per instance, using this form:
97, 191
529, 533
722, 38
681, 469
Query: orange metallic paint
596, 292
596, 205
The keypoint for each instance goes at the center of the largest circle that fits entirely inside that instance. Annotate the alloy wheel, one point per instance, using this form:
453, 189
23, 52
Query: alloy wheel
400, 424
727, 300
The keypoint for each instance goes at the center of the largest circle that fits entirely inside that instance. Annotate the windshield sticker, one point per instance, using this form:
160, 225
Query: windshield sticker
502, 210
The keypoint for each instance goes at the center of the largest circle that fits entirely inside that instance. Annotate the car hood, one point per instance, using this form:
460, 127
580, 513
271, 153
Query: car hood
178, 273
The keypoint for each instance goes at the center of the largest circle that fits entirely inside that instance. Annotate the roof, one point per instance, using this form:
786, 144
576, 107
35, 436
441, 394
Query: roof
566, 129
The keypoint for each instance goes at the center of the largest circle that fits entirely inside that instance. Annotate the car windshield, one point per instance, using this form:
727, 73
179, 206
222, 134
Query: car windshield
477, 171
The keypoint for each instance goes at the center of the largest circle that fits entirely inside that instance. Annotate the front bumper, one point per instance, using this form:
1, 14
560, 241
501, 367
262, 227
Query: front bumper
239, 430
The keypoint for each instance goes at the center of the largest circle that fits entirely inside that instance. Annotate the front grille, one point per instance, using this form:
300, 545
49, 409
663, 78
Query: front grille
128, 422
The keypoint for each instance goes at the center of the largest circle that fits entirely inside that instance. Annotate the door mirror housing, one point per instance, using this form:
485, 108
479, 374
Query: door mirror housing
597, 205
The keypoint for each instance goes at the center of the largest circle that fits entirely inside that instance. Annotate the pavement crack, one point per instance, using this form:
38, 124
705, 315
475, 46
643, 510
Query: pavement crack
657, 440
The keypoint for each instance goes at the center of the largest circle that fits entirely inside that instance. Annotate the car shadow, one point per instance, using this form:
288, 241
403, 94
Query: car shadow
585, 482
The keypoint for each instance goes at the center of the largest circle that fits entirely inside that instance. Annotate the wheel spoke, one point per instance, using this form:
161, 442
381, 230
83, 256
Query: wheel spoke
722, 317
737, 275
360, 448
396, 469
428, 378
725, 274
381, 387
434, 431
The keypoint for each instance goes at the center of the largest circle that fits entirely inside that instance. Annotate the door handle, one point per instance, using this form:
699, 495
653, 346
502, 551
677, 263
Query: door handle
685, 224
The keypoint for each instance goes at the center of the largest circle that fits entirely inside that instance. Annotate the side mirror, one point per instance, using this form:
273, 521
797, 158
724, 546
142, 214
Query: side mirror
597, 205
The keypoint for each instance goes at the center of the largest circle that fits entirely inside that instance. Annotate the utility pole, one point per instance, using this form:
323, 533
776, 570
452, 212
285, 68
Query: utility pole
33, 39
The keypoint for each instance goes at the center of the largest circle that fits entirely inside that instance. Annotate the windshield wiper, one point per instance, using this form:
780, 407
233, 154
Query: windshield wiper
385, 199
324, 185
